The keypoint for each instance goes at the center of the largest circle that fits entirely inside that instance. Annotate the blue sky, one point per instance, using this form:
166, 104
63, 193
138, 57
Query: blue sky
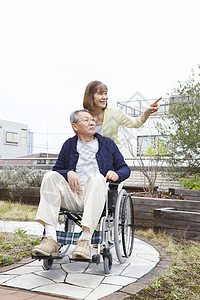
51, 49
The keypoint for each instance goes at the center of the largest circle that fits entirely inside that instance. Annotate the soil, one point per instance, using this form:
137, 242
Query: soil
163, 195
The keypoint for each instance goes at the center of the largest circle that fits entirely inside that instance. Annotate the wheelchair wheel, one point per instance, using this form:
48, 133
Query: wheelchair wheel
123, 226
47, 263
107, 262
128, 226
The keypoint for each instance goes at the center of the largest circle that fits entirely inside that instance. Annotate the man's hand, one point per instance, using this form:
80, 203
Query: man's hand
74, 181
111, 175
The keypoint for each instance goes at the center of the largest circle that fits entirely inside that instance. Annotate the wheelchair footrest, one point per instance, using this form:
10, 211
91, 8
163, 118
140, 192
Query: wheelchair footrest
80, 259
95, 259
39, 257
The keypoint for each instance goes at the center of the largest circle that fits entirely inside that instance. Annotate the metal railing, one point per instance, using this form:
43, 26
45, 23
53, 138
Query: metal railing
135, 108
39, 162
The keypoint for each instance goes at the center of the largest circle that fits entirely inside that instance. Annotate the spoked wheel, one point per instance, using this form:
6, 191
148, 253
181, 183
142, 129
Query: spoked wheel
47, 263
127, 226
123, 226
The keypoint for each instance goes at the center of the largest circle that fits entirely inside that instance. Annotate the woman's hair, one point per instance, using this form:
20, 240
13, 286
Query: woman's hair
91, 89
74, 116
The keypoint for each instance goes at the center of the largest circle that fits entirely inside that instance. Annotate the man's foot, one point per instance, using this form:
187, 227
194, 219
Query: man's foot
82, 250
47, 247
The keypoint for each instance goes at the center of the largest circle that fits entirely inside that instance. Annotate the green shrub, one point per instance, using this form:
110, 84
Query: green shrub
20, 179
191, 183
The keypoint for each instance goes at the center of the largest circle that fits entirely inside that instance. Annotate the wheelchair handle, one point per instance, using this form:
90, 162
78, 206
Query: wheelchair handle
112, 182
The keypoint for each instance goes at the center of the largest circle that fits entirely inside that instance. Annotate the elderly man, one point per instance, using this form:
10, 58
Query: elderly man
78, 183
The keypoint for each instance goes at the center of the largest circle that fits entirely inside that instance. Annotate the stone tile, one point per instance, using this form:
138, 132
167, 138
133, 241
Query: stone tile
117, 269
126, 263
84, 280
4, 278
73, 267
116, 262
28, 281
143, 282
151, 257
103, 290
57, 275
64, 290
64, 260
23, 270
144, 248
119, 280
137, 243
35, 263
136, 260
56, 262
138, 270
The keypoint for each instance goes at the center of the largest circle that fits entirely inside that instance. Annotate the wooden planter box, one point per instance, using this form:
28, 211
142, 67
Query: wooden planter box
178, 223
31, 196
188, 194
144, 209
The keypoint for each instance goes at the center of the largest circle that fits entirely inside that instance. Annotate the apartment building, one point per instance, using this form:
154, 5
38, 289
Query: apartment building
136, 141
15, 139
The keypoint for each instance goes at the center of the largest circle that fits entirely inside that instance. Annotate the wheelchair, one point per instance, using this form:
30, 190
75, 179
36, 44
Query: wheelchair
115, 229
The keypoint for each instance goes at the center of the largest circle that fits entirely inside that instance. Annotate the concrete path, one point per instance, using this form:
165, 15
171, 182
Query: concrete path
77, 280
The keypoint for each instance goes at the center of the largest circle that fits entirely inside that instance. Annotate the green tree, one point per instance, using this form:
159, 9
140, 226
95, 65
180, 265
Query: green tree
182, 135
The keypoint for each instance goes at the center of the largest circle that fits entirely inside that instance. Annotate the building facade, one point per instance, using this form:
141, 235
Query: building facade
136, 141
14, 139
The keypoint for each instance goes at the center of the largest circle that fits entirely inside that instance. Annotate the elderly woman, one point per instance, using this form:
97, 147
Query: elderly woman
108, 119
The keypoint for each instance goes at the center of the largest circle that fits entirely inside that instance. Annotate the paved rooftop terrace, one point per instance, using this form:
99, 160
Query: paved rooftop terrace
76, 280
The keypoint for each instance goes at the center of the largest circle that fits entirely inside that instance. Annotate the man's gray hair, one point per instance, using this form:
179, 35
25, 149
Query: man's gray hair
74, 116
